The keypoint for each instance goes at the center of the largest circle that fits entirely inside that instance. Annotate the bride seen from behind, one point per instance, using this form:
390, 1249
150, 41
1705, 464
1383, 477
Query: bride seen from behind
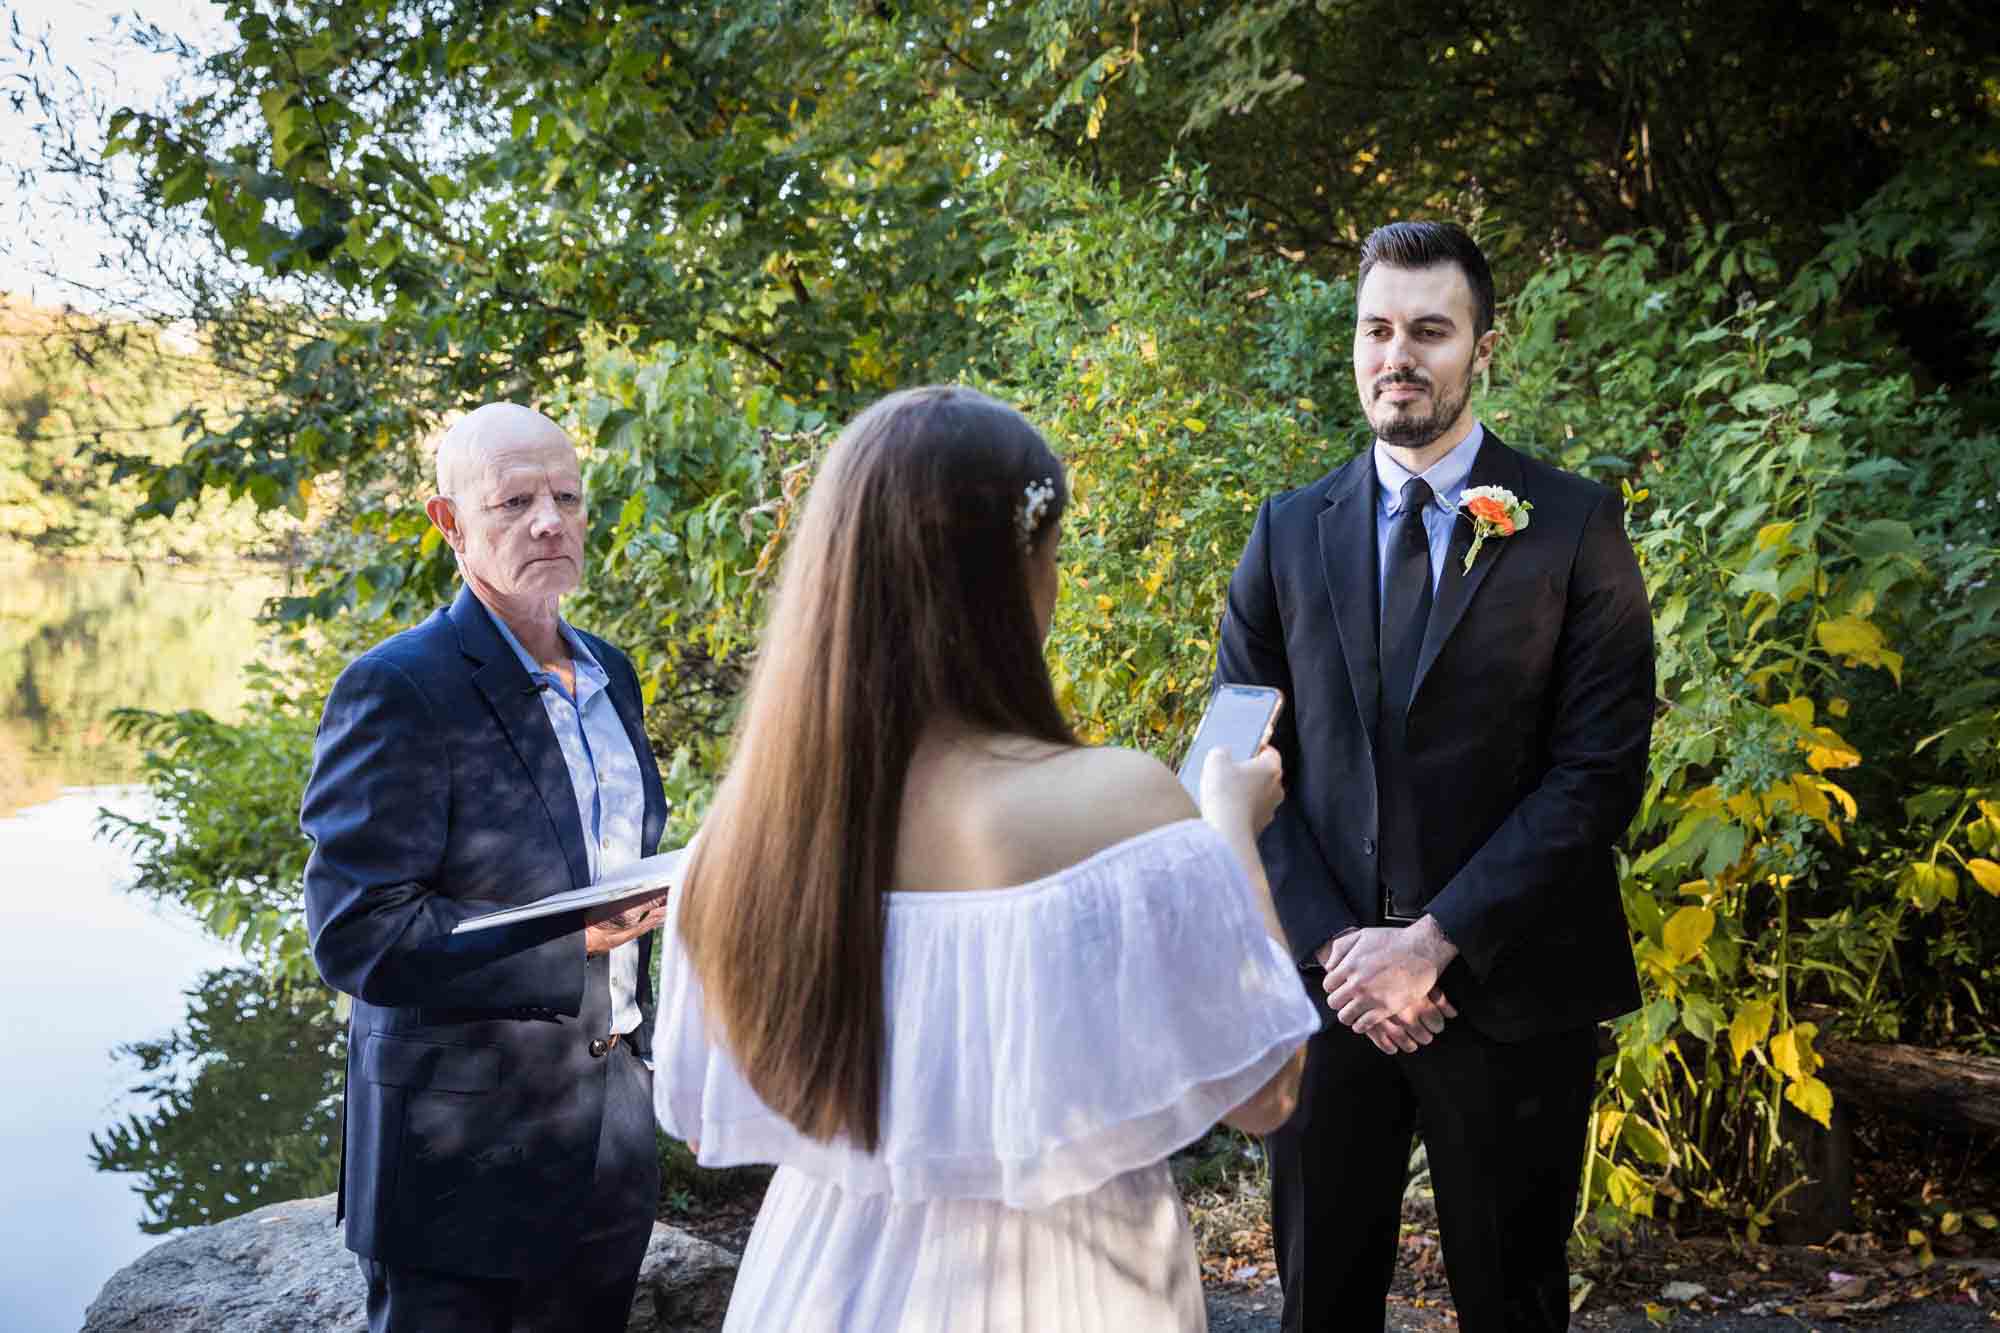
967, 981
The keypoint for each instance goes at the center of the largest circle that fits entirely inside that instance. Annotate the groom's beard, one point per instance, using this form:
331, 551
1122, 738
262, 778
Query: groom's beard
1406, 431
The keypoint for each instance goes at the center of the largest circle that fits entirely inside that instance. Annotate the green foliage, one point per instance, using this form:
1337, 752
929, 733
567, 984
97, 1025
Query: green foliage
71, 395
1814, 535
1182, 381
244, 1104
704, 239
695, 473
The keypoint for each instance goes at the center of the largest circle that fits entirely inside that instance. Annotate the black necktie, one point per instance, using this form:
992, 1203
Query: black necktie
1406, 600
1406, 611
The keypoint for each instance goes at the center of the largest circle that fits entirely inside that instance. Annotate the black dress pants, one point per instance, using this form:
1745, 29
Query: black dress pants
1503, 1124
591, 1290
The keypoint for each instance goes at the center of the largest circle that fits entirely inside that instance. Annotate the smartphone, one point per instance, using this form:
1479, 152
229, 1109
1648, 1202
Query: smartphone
1239, 719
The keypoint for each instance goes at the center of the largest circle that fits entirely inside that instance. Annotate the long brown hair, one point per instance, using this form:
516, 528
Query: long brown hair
903, 600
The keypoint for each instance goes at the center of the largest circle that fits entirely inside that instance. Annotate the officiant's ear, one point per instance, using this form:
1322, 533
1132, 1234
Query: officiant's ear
443, 514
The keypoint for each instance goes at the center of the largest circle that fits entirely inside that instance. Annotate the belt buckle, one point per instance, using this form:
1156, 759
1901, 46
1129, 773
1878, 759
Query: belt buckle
1391, 917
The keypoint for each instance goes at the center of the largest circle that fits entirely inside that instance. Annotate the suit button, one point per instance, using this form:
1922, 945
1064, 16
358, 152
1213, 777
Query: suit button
1368, 846
598, 1047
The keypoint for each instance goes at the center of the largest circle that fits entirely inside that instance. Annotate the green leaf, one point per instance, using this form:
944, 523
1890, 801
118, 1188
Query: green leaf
1645, 1142
1702, 1017
1926, 885
1765, 398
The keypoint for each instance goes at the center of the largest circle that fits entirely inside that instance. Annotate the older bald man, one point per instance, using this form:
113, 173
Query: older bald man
499, 1167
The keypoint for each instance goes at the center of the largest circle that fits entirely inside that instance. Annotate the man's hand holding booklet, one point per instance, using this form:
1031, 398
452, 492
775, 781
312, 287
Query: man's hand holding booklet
648, 877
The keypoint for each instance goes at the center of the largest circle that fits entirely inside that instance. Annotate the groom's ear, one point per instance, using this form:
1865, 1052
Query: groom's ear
1482, 351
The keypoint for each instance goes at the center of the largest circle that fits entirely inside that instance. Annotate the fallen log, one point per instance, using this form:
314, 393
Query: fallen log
1940, 1088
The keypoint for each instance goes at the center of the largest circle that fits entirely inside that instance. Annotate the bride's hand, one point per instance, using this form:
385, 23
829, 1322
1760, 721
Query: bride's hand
1249, 790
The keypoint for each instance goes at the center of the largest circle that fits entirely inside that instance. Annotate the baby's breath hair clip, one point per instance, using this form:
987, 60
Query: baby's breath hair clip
1034, 503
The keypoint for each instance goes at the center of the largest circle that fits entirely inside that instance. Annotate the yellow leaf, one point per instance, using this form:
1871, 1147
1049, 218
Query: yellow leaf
1607, 1127
1103, 602
1839, 793
1708, 798
1812, 1097
1828, 750
1837, 707
1687, 931
1747, 1029
1792, 1052
1773, 534
1798, 708
1195, 425
1859, 642
1986, 873
1810, 800
1949, 1224
430, 542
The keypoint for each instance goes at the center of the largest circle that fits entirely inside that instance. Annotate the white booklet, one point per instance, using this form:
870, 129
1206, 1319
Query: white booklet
644, 878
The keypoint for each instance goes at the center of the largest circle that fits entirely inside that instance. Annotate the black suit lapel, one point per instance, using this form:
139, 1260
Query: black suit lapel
1347, 554
1497, 465
518, 706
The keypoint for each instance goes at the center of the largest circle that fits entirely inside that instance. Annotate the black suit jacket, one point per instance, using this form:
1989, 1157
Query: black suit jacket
438, 792
1526, 735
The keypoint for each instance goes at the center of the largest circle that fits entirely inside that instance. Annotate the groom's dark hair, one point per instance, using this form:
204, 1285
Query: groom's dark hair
1426, 244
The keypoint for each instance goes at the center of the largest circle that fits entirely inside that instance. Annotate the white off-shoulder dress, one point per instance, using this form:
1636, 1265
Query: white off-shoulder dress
1049, 1045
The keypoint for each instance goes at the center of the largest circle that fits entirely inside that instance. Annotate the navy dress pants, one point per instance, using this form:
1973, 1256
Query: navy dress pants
591, 1292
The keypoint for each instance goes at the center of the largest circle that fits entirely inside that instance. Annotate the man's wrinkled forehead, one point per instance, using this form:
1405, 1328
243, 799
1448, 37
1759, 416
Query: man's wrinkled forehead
500, 440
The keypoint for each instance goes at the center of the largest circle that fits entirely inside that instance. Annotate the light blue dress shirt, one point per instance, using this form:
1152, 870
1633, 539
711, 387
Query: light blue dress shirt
1447, 478
610, 787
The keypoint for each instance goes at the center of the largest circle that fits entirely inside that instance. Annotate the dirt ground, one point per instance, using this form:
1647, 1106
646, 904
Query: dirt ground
1910, 1186
1923, 1255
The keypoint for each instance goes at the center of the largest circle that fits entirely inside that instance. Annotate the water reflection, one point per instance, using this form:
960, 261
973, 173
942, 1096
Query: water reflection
243, 1104
77, 641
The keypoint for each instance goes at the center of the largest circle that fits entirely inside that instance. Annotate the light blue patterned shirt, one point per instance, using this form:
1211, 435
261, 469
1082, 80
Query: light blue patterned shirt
1447, 478
609, 784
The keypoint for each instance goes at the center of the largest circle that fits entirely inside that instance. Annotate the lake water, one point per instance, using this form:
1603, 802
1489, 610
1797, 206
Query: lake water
151, 1081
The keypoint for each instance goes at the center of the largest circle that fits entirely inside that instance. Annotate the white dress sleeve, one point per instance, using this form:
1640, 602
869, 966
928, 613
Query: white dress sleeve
1041, 1039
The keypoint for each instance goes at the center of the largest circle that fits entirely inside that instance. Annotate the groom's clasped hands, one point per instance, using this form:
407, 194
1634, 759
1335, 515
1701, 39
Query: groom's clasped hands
1382, 982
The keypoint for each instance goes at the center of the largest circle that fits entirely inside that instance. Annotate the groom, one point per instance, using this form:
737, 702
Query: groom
1465, 739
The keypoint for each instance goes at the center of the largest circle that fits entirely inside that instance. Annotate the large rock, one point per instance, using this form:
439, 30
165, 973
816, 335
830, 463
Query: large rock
284, 1269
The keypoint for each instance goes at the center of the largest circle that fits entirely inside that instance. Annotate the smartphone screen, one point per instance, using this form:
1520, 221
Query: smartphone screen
1239, 719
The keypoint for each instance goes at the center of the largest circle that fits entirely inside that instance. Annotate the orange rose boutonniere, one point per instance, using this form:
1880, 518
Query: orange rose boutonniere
1495, 511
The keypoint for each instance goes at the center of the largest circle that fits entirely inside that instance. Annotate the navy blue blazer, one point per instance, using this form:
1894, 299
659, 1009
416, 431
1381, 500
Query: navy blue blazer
1525, 745
474, 1102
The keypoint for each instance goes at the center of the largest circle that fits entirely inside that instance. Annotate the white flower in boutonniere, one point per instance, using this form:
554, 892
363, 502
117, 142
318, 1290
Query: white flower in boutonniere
1495, 511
